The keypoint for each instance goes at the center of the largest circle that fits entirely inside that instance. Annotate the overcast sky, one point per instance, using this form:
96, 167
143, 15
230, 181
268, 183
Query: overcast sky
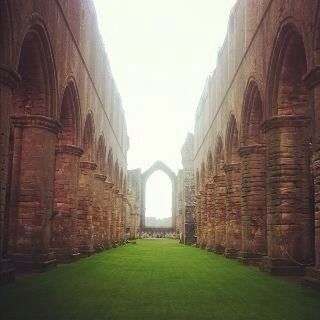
161, 52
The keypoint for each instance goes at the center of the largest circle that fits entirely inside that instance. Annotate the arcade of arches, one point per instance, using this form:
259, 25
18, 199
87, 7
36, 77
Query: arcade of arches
250, 183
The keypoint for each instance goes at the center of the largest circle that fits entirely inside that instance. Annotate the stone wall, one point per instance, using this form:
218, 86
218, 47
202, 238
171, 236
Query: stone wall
256, 151
63, 135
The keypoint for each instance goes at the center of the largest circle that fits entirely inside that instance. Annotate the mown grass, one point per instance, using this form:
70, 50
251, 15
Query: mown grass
157, 279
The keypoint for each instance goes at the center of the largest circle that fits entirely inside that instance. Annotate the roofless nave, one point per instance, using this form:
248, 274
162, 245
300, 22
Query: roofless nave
249, 187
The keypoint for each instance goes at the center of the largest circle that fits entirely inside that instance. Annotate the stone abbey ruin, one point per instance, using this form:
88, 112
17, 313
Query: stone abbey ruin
250, 183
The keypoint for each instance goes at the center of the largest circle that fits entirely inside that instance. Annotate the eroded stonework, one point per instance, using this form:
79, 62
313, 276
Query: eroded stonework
63, 136
256, 152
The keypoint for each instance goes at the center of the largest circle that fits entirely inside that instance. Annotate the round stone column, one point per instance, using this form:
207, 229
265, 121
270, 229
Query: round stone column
31, 194
210, 216
108, 212
65, 193
233, 210
204, 218
116, 229
313, 82
220, 213
8, 81
85, 208
289, 211
253, 204
99, 231
198, 213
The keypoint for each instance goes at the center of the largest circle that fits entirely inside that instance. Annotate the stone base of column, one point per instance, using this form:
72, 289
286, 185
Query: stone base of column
312, 278
86, 251
24, 262
7, 272
66, 255
249, 258
231, 253
281, 267
218, 249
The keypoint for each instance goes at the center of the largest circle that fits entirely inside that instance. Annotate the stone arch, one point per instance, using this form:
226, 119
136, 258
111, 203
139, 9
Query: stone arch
233, 190
34, 134
116, 174
220, 198
209, 165
70, 115
197, 180
66, 179
285, 75
36, 93
288, 138
158, 165
232, 141
110, 165
316, 36
88, 139
6, 34
252, 115
101, 155
203, 177
253, 176
121, 180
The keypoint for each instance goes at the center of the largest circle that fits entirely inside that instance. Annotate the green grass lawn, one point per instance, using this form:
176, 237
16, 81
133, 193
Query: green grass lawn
157, 279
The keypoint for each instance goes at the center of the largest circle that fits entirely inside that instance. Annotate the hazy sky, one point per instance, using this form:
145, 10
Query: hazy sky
161, 52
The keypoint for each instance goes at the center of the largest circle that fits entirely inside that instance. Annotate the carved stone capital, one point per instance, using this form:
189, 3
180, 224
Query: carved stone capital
286, 121
9, 77
252, 149
69, 149
88, 165
109, 184
35, 121
312, 78
100, 176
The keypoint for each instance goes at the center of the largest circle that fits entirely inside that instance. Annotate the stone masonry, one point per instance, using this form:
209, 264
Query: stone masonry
256, 142
63, 137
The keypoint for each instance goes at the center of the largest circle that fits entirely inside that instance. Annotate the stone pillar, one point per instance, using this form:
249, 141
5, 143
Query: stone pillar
233, 210
204, 218
289, 219
115, 216
210, 216
108, 213
65, 191
85, 209
253, 204
220, 213
99, 231
8, 81
31, 194
123, 218
198, 213
313, 82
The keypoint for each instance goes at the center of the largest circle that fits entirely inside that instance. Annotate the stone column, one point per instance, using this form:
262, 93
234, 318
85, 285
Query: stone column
115, 217
108, 213
65, 191
220, 213
8, 81
85, 209
313, 82
233, 210
289, 218
210, 216
99, 232
123, 218
253, 204
31, 194
198, 212
204, 218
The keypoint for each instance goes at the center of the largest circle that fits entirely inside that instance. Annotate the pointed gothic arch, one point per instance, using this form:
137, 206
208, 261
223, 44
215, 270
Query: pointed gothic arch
158, 165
